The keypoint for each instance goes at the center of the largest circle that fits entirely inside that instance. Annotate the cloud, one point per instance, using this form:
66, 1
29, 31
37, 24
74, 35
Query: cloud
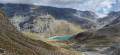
90, 5
34, 2
116, 7
16, 1
82, 4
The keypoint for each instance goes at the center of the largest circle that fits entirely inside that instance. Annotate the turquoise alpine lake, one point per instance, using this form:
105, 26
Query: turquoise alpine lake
60, 37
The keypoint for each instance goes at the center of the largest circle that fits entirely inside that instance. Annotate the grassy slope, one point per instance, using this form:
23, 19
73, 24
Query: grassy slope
66, 28
37, 37
11, 40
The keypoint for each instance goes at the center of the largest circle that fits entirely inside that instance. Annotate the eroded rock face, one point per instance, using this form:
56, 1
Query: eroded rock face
48, 21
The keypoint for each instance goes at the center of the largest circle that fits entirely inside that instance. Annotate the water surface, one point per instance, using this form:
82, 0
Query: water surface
60, 37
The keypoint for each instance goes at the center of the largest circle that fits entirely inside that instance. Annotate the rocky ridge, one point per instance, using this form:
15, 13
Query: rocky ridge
48, 21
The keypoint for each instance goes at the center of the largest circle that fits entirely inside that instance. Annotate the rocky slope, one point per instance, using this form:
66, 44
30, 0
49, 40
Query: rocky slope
111, 18
12, 42
48, 21
95, 41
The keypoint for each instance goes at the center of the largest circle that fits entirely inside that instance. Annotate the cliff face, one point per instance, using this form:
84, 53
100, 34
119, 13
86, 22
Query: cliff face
48, 21
12, 42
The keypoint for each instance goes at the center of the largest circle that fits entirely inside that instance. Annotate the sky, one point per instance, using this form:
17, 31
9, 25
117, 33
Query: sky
100, 7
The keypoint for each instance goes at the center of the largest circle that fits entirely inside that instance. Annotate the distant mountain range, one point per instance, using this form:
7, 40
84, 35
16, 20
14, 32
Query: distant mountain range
48, 21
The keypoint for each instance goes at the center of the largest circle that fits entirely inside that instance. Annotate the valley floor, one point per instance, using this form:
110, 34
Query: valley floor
56, 43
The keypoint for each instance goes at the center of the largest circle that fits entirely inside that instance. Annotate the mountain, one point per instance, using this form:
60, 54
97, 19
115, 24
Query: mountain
111, 18
13, 42
96, 40
48, 21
